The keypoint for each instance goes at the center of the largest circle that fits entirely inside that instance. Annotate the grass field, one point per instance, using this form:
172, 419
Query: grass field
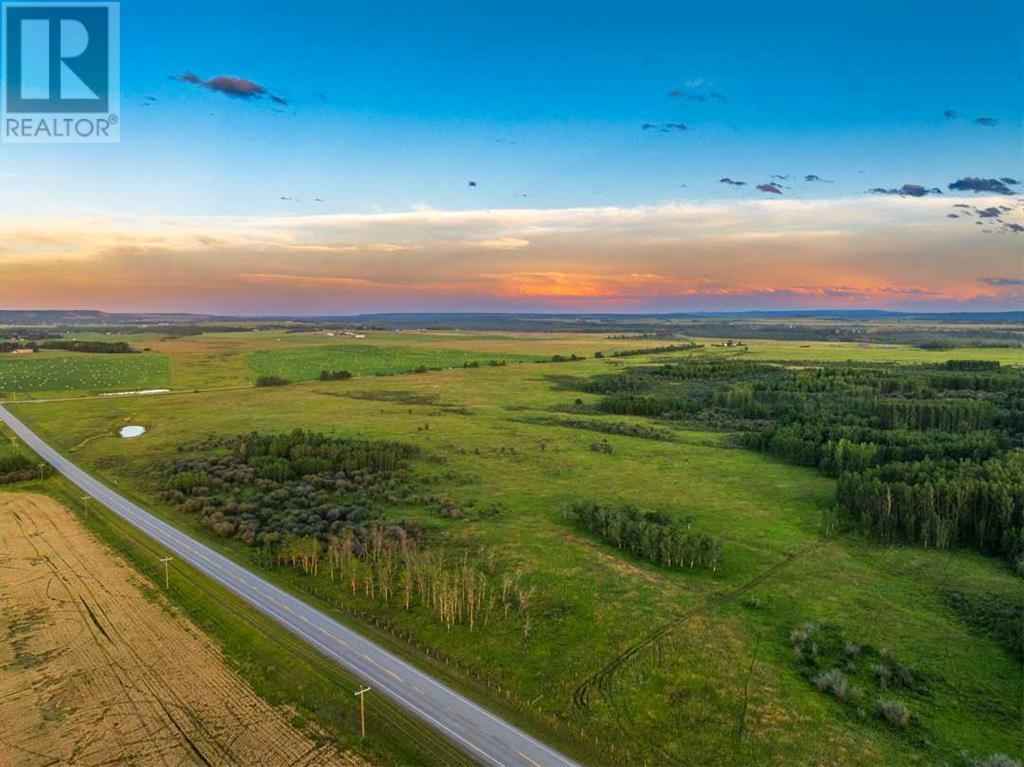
50, 371
706, 672
305, 364
229, 360
825, 351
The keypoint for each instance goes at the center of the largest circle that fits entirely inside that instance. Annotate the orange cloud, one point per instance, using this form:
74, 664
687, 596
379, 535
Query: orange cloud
854, 252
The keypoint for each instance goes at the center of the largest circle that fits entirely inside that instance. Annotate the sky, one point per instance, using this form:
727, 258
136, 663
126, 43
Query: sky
346, 157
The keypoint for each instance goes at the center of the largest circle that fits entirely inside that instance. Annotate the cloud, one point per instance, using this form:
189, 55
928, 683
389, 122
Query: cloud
771, 188
988, 212
235, 87
502, 243
665, 127
762, 253
988, 122
697, 90
1010, 181
949, 114
979, 185
811, 177
1001, 282
907, 190
730, 182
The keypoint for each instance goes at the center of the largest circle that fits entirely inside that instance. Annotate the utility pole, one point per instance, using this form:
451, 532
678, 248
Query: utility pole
167, 575
42, 470
85, 501
361, 693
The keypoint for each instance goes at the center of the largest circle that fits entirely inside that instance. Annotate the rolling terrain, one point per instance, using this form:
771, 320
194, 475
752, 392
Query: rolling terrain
619, 658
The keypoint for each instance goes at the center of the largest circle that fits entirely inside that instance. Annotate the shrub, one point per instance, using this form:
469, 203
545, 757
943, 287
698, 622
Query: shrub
15, 463
997, 760
894, 712
334, 375
801, 635
833, 682
271, 381
882, 675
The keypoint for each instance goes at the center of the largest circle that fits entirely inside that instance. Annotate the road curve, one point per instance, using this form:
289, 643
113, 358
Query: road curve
484, 736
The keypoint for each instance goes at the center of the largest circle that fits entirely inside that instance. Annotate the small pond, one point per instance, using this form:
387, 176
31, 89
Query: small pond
132, 431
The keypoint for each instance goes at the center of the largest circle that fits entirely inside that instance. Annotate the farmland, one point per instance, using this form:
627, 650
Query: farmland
305, 364
613, 653
49, 371
82, 634
229, 360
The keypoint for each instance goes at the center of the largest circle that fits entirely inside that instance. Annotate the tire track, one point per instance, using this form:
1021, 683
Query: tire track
602, 682
126, 680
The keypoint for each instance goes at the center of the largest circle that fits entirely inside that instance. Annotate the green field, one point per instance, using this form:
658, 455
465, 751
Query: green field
305, 364
50, 371
706, 671
236, 359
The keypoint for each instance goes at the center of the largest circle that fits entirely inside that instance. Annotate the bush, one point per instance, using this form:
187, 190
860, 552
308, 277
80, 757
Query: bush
801, 635
894, 712
833, 682
272, 381
998, 760
16, 462
334, 375
882, 675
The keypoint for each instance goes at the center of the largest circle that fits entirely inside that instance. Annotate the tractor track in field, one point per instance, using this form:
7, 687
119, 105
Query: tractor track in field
464, 724
96, 673
602, 681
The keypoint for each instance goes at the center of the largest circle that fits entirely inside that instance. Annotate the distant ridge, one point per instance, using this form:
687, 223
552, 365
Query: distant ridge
92, 316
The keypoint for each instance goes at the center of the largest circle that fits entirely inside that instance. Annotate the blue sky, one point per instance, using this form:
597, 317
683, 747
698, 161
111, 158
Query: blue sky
393, 107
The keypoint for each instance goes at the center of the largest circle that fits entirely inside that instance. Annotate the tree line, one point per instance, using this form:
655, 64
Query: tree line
924, 454
651, 535
384, 564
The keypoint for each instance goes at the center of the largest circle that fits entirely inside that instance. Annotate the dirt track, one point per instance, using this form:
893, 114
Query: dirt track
96, 669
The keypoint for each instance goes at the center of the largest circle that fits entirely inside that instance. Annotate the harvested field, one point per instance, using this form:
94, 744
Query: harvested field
97, 668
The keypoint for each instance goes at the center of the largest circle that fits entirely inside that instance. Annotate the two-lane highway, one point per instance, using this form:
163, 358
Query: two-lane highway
481, 734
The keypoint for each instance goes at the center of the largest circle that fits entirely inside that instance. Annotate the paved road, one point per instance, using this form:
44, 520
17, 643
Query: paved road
484, 736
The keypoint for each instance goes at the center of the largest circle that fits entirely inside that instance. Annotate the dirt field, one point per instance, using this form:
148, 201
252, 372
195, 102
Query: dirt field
95, 669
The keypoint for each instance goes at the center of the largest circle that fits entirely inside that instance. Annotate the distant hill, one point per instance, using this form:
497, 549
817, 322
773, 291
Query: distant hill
89, 317
498, 320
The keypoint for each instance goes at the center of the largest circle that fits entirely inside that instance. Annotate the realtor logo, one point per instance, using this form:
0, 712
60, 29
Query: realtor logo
61, 72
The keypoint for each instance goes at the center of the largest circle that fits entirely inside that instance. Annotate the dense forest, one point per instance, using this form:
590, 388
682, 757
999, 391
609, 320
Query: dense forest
924, 454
